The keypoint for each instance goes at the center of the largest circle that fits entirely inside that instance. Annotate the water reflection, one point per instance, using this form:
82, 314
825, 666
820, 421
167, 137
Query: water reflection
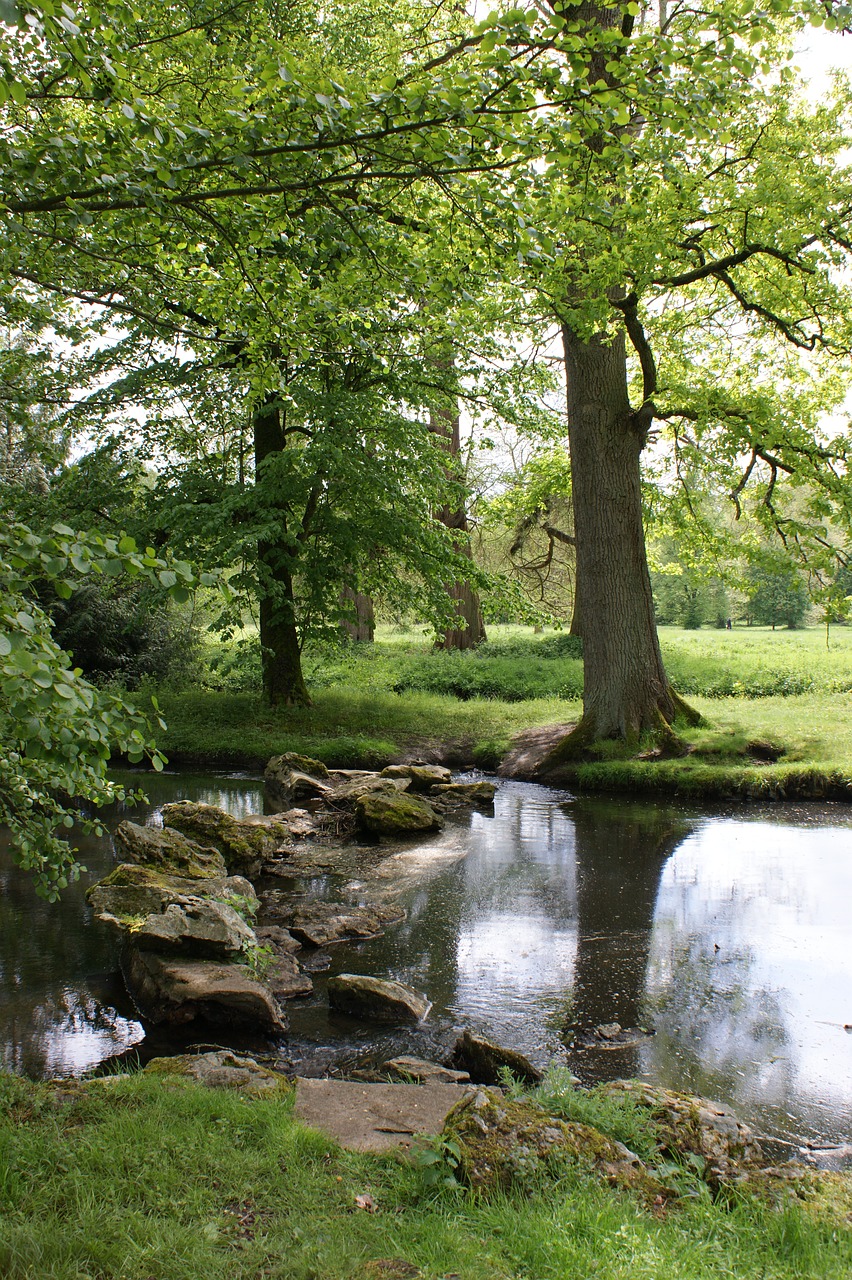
726, 935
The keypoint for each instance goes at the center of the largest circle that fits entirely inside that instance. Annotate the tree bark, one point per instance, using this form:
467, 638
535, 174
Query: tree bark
465, 598
281, 656
626, 690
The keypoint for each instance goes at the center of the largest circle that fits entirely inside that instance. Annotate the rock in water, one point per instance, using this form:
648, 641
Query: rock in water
194, 926
389, 814
244, 843
460, 793
130, 892
319, 923
292, 777
377, 999
485, 1060
407, 1068
423, 777
177, 991
168, 851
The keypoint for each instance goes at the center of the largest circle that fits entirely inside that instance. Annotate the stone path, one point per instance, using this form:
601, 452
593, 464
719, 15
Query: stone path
375, 1117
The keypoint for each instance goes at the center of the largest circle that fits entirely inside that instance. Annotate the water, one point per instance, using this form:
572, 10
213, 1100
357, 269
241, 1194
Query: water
724, 936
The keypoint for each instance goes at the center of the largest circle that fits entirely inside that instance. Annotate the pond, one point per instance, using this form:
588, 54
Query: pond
719, 941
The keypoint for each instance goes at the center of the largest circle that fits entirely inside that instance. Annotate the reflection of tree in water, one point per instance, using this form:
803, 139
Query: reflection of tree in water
620, 850
717, 1034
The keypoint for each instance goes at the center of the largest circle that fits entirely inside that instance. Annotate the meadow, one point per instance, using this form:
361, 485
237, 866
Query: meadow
777, 708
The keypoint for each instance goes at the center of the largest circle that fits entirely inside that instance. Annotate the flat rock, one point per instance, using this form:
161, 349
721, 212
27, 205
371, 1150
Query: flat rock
485, 1060
376, 999
423, 1072
221, 1070
351, 790
422, 777
244, 843
167, 851
374, 1117
178, 991
319, 923
280, 940
130, 892
194, 926
384, 814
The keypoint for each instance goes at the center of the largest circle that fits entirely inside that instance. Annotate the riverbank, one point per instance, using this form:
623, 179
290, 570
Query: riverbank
795, 747
137, 1176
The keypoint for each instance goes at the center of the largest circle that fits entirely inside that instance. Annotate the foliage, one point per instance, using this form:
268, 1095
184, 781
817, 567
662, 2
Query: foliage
58, 729
778, 595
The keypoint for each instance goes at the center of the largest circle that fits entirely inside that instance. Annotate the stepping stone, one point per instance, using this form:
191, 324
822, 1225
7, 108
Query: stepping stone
375, 1117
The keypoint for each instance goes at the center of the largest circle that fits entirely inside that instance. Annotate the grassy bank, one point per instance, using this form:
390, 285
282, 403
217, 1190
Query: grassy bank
375, 704
135, 1178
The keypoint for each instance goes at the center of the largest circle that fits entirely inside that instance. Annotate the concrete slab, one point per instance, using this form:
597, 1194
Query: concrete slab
374, 1117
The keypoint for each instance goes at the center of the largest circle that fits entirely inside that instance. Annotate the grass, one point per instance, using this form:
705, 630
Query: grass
139, 1178
376, 703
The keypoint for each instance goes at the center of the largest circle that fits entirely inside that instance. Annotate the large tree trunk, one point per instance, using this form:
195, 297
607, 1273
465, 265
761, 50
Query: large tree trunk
283, 682
471, 631
626, 690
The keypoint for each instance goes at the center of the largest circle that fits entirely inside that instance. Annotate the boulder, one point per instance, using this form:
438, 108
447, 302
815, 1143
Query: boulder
177, 991
484, 1061
221, 1070
464, 793
280, 940
244, 843
194, 926
320, 923
422, 777
168, 851
131, 892
505, 1142
395, 815
349, 791
687, 1125
291, 777
407, 1068
378, 999
285, 978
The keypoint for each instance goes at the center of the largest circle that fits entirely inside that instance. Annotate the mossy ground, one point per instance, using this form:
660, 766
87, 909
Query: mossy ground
141, 1177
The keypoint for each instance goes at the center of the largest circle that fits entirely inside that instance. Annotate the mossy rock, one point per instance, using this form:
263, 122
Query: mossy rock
484, 1061
132, 892
690, 1126
168, 851
244, 843
395, 814
222, 1070
509, 1143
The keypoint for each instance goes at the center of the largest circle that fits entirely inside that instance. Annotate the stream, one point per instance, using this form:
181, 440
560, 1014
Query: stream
719, 940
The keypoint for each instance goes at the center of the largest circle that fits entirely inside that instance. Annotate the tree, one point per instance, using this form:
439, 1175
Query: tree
691, 209
778, 596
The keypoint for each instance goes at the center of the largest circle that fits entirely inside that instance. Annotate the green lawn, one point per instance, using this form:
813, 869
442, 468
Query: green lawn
140, 1178
374, 703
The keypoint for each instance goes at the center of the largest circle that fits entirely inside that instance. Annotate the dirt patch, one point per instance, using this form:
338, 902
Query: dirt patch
529, 748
